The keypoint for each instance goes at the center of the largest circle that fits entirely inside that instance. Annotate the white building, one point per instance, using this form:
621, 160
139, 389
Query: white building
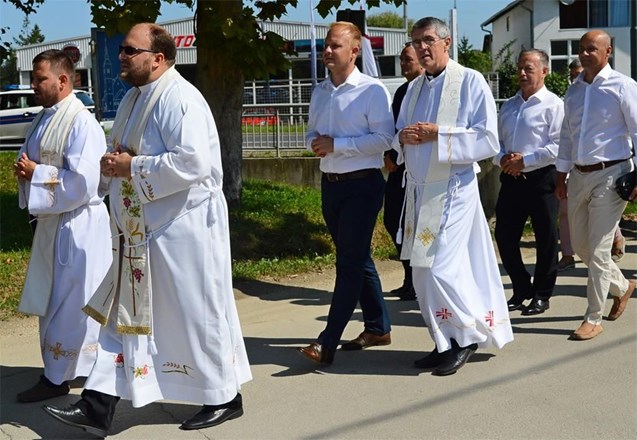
557, 25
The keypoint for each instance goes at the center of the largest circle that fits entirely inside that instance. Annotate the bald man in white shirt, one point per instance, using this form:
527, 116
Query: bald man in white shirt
596, 142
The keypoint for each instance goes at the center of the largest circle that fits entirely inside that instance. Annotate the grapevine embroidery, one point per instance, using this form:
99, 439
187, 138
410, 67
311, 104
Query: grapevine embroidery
119, 360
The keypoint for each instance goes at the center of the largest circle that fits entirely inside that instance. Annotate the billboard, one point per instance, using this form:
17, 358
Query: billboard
108, 89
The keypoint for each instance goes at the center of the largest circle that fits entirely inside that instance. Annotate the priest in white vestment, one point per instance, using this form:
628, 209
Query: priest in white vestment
171, 324
58, 172
448, 122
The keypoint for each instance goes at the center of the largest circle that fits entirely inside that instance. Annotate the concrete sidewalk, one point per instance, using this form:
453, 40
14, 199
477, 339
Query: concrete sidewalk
541, 386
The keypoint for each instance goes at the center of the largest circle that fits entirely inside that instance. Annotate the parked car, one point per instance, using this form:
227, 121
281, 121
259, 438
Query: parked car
259, 116
18, 109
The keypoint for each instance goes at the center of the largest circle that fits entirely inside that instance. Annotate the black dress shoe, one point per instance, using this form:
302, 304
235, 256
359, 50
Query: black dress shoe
455, 360
515, 304
432, 360
43, 390
400, 291
317, 353
72, 416
536, 307
408, 295
213, 415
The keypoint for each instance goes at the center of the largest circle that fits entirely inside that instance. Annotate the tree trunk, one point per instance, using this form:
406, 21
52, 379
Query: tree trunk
221, 82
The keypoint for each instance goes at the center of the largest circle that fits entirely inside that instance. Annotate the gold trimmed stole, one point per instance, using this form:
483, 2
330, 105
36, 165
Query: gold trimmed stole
128, 284
421, 242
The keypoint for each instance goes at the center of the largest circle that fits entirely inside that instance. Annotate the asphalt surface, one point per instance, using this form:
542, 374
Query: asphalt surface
541, 386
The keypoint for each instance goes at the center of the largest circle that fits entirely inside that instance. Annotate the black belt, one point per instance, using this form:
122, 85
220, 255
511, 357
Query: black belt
598, 166
340, 177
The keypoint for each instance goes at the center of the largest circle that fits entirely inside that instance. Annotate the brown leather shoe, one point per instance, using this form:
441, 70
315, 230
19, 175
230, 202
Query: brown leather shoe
317, 353
586, 331
42, 391
620, 303
365, 340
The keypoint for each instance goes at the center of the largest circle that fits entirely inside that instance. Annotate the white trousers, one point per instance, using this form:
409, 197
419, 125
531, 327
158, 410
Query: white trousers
594, 210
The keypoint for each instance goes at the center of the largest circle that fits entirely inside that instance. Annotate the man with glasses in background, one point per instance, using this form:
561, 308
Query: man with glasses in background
446, 235
394, 190
171, 324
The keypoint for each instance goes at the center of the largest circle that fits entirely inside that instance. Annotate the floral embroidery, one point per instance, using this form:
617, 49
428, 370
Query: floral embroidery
426, 237
119, 360
142, 371
176, 368
127, 202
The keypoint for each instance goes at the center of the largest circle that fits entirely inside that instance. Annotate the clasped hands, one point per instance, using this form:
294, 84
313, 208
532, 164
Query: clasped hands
322, 145
116, 164
24, 168
512, 164
418, 133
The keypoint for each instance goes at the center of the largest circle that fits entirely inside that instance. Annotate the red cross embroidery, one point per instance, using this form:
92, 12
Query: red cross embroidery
489, 318
443, 314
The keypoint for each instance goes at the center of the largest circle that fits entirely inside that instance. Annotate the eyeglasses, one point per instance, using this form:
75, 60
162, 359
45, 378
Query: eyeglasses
130, 50
427, 42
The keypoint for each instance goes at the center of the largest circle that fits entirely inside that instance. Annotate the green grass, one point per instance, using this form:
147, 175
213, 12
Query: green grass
277, 230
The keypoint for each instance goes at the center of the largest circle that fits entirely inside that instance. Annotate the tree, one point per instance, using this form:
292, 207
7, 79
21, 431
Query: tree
473, 58
230, 44
557, 82
507, 71
389, 20
8, 61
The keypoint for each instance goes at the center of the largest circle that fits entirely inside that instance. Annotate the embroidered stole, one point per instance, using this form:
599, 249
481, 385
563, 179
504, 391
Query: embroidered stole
128, 284
421, 242
38, 285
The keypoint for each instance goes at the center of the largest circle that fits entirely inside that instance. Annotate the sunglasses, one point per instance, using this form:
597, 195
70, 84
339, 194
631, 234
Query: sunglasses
130, 50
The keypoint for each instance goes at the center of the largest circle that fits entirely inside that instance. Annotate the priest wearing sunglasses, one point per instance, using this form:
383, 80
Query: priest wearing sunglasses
170, 323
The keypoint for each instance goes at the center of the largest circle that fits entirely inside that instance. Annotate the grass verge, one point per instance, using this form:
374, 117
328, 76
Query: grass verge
278, 230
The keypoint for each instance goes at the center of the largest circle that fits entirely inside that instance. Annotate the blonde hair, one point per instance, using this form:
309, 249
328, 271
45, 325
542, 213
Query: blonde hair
351, 28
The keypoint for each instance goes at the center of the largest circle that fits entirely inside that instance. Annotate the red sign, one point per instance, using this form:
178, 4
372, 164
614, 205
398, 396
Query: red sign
73, 52
184, 41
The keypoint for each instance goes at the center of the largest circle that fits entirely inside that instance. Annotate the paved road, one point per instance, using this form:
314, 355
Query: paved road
541, 386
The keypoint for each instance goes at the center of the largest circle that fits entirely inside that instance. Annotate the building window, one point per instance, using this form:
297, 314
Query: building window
595, 13
565, 51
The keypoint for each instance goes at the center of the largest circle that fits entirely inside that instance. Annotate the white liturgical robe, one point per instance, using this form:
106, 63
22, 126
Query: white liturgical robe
461, 295
195, 351
81, 255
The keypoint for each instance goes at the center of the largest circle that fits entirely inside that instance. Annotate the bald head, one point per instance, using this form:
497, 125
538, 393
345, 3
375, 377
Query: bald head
594, 50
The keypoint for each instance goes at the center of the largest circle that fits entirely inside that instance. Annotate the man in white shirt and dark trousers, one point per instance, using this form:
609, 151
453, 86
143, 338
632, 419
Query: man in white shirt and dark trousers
529, 130
598, 133
350, 126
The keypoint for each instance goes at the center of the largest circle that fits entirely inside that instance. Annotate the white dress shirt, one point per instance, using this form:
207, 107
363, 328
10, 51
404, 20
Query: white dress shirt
531, 128
358, 115
600, 120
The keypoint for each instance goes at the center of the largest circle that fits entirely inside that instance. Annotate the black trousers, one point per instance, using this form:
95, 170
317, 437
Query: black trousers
529, 195
394, 195
98, 406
